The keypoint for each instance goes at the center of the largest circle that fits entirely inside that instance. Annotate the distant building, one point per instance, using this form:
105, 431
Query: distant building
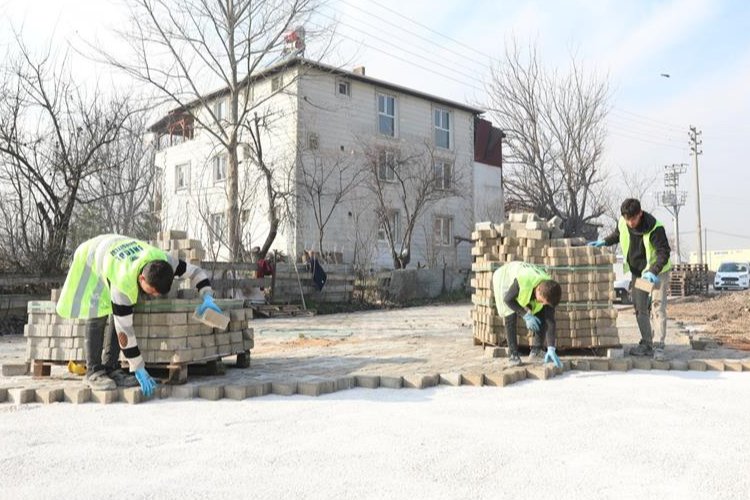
714, 258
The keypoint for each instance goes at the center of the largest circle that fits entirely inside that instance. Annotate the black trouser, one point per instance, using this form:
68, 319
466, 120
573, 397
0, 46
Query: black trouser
642, 305
547, 315
102, 349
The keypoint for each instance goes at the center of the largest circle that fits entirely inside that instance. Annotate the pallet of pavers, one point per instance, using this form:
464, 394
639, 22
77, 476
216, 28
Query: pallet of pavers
585, 316
169, 336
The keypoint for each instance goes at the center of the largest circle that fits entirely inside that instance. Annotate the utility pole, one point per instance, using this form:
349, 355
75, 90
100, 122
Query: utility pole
695, 142
672, 199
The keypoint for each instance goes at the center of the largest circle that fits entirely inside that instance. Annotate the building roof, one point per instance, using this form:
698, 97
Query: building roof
294, 61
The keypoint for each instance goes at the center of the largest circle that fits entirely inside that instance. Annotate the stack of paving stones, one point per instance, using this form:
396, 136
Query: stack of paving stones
19, 393
585, 316
178, 245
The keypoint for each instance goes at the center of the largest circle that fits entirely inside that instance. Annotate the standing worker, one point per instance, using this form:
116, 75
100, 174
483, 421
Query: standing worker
646, 249
526, 290
105, 278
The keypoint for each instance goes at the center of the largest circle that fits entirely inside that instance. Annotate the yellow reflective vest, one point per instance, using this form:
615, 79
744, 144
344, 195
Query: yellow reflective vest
528, 275
622, 227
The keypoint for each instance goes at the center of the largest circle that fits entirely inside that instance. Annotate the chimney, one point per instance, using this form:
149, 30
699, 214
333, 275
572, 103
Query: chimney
359, 70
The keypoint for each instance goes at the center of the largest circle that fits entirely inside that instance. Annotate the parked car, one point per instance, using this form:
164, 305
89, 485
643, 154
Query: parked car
622, 290
732, 276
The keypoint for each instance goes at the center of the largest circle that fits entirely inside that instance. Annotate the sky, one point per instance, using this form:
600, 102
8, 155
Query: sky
446, 48
581, 435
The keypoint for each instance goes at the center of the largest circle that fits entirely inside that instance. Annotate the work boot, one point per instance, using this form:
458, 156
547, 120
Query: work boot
642, 350
123, 379
514, 359
99, 381
536, 356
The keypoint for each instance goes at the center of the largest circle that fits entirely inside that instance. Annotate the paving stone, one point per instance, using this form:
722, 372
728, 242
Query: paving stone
257, 389
678, 365
420, 381
49, 395
316, 388
3, 394
540, 372
715, 365
14, 369
660, 365
185, 391
500, 379
697, 365
131, 395
368, 381
581, 364
238, 392
77, 395
345, 383
732, 365
284, 388
615, 353
495, 352
104, 397
21, 395
211, 392
389, 382
518, 373
641, 364
599, 365
621, 364
453, 379
474, 379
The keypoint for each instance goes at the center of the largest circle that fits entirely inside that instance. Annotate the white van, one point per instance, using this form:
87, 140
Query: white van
732, 276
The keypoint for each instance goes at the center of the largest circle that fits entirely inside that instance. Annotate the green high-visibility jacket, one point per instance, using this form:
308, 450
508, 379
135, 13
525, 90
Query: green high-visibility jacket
528, 276
622, 227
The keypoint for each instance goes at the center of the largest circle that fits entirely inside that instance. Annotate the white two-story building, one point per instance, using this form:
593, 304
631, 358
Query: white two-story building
337, 142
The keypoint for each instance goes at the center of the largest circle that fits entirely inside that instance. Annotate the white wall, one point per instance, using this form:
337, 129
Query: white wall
488, 193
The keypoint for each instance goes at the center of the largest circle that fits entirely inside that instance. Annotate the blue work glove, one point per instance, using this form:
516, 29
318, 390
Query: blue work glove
551, 357
597, 244
148, 384
532, 322
208, 303
650, 277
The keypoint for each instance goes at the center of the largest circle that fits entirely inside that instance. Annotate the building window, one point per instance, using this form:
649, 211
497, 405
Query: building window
181, 176
387, 115
394, 222
386, 165
220, 168
442, 128
276, 83
443, 231
220, 109
343, 88
443, 175
218, 224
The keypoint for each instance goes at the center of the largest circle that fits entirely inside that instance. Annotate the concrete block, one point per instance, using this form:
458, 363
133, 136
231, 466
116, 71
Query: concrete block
14, 369
496, 352
284, 388
453, 379
131, 395
258, 389
641, 364
715, 365
316, 388
475, 379
77, 395
539, 372
21, 395
732, 365
104, 397
679, 365
49, 395
345, 383
600, 365
745, 365
213, 319
581, 364
238, 392
3, 394
517, 374
391, 382
621, 364
697, 365
368, 381
644, 285
418, 381
500, 379
660, 365
211, 392
185, 391
615, 353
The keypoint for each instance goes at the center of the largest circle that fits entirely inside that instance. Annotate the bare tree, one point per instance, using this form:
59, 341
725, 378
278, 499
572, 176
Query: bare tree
53, 146
181, 47
405, 183
555, 138
326, 181
628, 184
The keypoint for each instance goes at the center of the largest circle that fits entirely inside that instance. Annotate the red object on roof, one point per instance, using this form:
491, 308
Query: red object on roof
488, 143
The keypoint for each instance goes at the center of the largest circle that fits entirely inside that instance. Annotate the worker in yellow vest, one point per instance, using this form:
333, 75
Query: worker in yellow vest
646, 250
105, 279
526, 290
